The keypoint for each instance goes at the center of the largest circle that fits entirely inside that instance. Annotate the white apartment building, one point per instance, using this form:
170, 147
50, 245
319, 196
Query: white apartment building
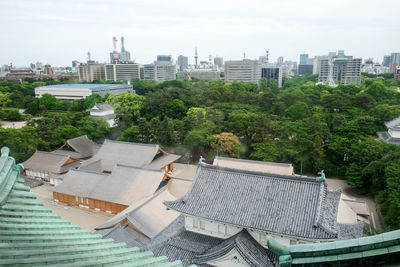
122, 72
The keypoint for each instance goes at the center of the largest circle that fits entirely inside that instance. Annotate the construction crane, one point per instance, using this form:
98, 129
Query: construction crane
115, 53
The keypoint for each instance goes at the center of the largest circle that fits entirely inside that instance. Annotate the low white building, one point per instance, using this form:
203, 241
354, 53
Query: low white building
392, 135
78, 91
104, 112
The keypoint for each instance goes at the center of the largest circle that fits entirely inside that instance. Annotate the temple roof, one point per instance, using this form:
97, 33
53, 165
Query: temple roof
193, 248
31, 234
47, 161
126, 185
149, 216
127, 153
253, 165
79, 147
388, 138
395, 123
282, 204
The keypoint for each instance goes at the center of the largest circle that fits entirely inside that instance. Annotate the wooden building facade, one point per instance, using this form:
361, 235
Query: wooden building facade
89, 203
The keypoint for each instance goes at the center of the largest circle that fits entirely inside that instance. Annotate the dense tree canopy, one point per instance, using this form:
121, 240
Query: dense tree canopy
312, 126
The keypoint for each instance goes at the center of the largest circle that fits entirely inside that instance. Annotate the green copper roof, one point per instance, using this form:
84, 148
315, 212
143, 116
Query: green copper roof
31, 234
385, 247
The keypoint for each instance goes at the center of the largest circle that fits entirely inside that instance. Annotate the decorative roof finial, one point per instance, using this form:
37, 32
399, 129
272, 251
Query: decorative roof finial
5, 151
202, 161
321, 177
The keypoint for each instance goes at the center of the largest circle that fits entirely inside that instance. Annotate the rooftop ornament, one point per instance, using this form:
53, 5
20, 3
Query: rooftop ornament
5, 151
321, 177
202, 161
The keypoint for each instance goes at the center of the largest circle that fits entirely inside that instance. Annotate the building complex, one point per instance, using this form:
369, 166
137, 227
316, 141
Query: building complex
245, 70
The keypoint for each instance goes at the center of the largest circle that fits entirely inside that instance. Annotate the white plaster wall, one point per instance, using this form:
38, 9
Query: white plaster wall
394, 133
210, 228
101, 113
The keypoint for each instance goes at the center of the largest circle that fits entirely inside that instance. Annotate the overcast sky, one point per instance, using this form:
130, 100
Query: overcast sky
58, 31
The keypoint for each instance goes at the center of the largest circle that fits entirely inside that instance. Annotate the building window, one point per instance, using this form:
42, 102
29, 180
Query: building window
202, 225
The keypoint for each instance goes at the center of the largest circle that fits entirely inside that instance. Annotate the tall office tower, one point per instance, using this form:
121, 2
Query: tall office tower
124, 55
303, 59
341, 68
195, 58
122, 72
245, 70
182, 63
263, 60
280, 61
219, 62
272, 73
159, 71
395, 58
91, 72
317, 64
386, 61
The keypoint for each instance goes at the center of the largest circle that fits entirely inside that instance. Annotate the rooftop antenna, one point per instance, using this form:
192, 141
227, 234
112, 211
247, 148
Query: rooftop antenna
267, 56
210, 59
88, 56
244, 55
122, 44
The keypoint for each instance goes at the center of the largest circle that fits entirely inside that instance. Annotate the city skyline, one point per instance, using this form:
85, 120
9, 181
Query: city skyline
59, 32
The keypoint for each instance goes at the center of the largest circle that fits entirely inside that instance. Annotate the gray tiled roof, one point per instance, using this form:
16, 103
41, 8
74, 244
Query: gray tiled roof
393, 123
177, 243
351, 230
127, 153
47, 161
251, 251
126, 185
103, 107
83, 145
288, 205
192, 248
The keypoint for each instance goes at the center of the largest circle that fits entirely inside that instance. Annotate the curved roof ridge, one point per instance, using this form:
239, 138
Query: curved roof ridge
273, 175
256, 161
130, 143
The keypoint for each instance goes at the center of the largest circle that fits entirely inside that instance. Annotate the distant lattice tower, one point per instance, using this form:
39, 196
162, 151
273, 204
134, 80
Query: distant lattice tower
210, 60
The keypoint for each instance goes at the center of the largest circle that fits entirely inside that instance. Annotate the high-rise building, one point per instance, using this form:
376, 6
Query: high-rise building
386, 61
395, 58
245, 70
122, 72
91, 72
341, 68
159, 71
272, 73
219, 62
303, 59
182, 63
75, 63
305, 69
195, 57
280, 61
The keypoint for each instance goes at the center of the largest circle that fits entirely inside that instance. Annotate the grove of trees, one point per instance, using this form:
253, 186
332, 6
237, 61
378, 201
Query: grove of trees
314, 127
